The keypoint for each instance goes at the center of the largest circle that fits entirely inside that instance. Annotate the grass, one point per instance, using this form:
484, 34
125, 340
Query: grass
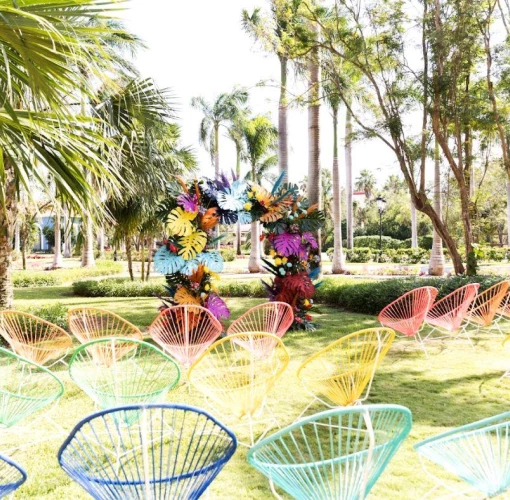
455, 385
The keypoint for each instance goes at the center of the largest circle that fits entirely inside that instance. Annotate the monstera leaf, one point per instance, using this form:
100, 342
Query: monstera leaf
189, 202
301, 284
273, 215
212, 260
192, 244
244, 217
233, 198
217, 306
166, 262
179, 222
190, 266
209, 219
287, 244
184, 297
310, 238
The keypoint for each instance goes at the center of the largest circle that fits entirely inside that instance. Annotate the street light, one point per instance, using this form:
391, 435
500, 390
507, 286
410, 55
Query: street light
381, 205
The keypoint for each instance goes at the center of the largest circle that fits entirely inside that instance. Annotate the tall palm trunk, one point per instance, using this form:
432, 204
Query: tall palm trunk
7, 215
338, 252
436, 264
254, 263
150, 244
58, 260
283, 148
348, 179
68, 224
129, 256
414, 226
16, 237
101, 241
217, 169
238, 174
87, 256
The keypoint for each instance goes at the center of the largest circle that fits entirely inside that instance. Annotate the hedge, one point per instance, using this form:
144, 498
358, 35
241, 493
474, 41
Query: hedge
397, 256
118, 287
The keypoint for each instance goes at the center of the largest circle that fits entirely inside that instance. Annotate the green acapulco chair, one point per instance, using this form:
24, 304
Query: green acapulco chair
141, 373
338, 454
25, 388
478, 453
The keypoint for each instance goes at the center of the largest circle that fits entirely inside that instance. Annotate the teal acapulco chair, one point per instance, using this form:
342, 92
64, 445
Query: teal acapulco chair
477, 453
120, 371
334, 455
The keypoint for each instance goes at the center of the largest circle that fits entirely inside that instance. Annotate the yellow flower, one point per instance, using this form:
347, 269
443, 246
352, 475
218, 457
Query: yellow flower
206, 269
284, 260
207, 287
306, 302
272, 253
247, 206
250, 194
278, 261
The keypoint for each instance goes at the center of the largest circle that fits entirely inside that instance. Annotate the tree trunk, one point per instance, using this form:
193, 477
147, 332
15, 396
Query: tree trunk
142, 257
216, 150
238, 225
436, 264
149, 258
87, 256
101, 242
129, 256
8, 215
58, 260
283, 148
16, 238
414, 227
255, 264
68, 224
348, 179
338, 253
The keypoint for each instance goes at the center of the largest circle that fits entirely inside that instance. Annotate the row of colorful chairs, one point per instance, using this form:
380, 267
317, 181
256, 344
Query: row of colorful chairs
452, 315
176, 451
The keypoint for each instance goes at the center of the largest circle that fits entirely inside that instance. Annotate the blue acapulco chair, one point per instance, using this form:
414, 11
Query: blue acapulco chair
335, 455
152, 451
12, 476
478, 453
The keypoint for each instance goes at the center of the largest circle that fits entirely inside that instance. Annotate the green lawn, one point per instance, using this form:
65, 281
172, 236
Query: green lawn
454, 386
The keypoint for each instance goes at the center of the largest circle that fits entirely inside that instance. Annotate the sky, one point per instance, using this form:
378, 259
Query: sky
198, 48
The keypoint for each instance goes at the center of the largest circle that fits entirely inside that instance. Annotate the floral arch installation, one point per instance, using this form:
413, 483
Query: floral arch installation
192, 211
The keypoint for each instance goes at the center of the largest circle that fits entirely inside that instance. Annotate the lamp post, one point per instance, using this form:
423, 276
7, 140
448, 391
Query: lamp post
381, 205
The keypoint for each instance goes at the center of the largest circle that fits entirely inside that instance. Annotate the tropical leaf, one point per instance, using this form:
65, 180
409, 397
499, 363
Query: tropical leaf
287, 244
184, 297
209, 219
310, 238
233, 197
244, 217
228, 217
189, 202
192, 244
197, 276
217, 306
314, 274
166, 262
190, 267
271, 216
300, 284
180, 222
212, 260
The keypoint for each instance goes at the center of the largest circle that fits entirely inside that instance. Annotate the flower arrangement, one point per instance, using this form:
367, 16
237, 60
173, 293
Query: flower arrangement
193, 210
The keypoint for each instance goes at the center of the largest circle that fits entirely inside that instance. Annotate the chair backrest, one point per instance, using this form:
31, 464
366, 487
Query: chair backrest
33, 338
478, 453
449, 312
131, 371
185, 332
90, 323
486, 305
344, 369
234, 376
271, 317
169, 451
407, 313
12, 476
336, 454
25, 388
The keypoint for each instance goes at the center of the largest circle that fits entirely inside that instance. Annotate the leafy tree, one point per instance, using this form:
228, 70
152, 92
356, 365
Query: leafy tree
366, 182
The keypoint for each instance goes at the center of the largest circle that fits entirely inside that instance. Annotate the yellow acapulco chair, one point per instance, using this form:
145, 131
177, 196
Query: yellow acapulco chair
236, 379
339, 374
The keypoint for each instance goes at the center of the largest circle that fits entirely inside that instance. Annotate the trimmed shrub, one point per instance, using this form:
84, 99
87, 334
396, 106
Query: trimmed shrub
27, 279
359, 255
228, 255
372, 297
374, 243
54, 313
242, 288
118, 287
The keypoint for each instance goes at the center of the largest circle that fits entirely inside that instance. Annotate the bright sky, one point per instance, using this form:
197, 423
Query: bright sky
197, 47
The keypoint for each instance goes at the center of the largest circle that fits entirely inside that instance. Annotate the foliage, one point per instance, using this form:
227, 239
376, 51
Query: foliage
228, 255
55, 313
118, 287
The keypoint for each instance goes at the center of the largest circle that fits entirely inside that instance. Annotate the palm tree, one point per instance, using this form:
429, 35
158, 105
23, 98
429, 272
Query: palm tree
43, 42
436, 264
224, 109
275, 35
260, 137
338, 267
348, 178
366, 182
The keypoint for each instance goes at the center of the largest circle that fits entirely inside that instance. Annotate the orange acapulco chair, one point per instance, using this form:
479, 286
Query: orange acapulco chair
447, 314
185, 332
484, 308
34, 338
271, 317
407, 314
339, 374
237, 381
90, 323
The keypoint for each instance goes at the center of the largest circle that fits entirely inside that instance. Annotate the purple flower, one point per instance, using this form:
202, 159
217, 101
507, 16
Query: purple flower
188, 202
310, 238
217, 306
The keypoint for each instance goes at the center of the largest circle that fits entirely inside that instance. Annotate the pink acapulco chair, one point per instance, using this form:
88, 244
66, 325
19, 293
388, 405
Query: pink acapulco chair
271, 317
185, 332
407, 314
447, 314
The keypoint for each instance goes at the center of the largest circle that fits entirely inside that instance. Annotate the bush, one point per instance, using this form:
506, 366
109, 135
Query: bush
358, 255
54, 313
118, 287
373, 242
372, 297
242, 288
25, 279
228, 255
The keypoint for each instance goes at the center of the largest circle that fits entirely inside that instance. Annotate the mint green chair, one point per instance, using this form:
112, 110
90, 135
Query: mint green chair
334, 455
477, 453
